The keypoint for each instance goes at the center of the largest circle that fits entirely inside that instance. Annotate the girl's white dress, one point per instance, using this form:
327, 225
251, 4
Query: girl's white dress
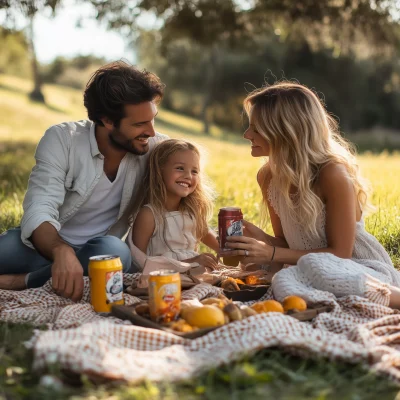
176, 239
367, 274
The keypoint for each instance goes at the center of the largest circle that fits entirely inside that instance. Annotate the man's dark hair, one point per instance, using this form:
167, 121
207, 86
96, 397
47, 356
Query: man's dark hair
114, 85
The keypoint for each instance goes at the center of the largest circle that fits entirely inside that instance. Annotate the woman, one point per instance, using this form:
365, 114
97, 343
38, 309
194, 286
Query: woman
316, 200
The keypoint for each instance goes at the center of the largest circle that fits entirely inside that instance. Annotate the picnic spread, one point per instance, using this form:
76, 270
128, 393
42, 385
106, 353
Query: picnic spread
81, 340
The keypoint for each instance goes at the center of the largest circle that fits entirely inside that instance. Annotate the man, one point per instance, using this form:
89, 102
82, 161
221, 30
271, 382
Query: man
85, 175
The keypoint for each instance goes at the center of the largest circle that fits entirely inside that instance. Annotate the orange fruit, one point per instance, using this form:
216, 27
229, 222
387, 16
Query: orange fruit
267, 306
205, 317
291, 302
251, 280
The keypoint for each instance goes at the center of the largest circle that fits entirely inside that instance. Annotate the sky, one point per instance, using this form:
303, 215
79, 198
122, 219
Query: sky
59, 36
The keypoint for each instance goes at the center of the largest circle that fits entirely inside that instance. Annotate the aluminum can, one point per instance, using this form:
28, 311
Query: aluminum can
106, 282
230, 223
164, 295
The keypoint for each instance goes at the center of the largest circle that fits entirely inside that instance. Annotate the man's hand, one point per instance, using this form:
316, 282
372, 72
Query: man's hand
67, 273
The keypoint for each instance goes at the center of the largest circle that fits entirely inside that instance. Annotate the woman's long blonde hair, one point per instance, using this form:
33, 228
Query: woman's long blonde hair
302, 138
199, 204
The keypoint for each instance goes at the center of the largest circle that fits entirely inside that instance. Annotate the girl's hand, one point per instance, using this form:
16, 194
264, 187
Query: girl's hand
254, 251
207, 260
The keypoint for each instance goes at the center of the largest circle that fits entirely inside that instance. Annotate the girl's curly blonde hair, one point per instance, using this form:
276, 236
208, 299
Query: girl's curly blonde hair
199, 204
302, 138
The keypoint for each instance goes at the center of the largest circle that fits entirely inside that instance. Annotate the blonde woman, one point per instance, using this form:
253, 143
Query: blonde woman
175, 206
316, 201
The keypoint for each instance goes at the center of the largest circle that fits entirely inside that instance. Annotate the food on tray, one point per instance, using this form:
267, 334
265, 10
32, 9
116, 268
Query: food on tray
294, 302
267, 306
251, 279
217, 311
230, 284
233, 312
247, 311
186, 309
257, 280
205, 317
214, 301
181, 326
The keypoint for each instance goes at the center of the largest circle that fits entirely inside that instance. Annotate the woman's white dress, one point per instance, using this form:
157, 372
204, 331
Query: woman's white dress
367, 274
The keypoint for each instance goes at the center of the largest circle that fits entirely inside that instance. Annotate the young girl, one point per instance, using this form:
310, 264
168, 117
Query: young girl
316, 201
175, 206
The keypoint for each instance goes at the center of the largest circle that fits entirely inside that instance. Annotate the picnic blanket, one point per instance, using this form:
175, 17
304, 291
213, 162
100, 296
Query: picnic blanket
82, 341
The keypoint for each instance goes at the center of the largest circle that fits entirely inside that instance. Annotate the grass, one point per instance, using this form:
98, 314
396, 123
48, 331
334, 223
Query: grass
270, 373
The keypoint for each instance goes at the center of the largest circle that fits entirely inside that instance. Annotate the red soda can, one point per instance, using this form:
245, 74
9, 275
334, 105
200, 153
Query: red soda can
230, 223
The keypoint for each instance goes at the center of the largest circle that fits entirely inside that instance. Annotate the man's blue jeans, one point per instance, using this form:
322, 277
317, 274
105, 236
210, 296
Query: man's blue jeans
17, 258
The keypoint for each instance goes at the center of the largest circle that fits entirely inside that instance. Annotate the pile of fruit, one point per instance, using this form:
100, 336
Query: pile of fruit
216, 311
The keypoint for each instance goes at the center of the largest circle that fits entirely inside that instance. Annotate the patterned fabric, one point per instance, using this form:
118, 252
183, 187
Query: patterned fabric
357, 330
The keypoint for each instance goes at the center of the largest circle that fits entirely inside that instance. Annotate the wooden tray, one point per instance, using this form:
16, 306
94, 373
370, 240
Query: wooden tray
128, 312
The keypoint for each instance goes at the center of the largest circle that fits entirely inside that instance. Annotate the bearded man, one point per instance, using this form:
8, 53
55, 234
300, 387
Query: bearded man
85, 175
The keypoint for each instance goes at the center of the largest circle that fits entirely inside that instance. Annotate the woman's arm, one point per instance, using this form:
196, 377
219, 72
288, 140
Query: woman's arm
143, 229
337, 191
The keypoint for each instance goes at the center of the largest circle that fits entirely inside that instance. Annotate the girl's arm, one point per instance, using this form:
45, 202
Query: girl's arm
342, 208
207, 259
143, 229
210, 240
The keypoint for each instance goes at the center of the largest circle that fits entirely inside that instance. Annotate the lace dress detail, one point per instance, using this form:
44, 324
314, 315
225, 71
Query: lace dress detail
366, 246
367, 274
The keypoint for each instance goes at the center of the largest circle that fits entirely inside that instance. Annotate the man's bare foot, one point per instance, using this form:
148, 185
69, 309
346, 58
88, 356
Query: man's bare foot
13, 282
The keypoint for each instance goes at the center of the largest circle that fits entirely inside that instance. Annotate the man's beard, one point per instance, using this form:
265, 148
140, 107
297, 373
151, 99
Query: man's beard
127, 146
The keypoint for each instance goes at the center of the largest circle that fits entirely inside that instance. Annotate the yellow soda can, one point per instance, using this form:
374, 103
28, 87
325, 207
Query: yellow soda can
106, 282
164, 295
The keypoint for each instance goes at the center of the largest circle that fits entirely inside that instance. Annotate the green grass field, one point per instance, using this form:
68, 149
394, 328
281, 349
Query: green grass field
271, 373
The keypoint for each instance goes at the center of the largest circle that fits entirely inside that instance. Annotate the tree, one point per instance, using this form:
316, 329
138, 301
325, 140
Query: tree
29, 9
14, 53
212, 25
363, 27
343, 25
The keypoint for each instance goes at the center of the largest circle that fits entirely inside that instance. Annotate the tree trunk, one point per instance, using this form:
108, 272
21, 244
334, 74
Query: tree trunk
36, 94
211, 75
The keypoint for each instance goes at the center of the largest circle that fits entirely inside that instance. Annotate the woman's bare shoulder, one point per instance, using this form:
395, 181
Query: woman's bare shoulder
264, 175
333, 176
333, 171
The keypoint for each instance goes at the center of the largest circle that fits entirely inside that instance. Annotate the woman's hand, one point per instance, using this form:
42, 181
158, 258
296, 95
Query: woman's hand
253, 231
254, 251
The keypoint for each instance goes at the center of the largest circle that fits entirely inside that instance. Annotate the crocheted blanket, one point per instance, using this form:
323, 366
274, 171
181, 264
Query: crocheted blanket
80, 340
